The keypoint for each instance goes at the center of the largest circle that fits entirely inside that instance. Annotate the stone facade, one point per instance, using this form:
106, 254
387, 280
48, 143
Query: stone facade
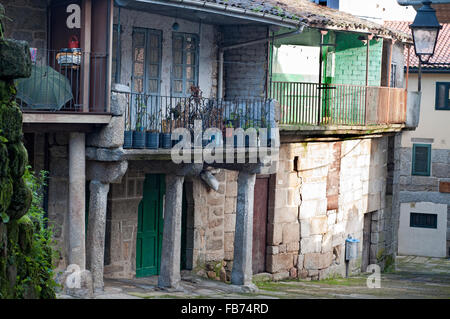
210, 222
56, 155
318, 203
422, 189
207, 59
28, 21
245, 68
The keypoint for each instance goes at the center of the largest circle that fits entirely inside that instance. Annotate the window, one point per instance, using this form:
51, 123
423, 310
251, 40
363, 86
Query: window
329, 3
185, 63
393, 75
423, 220
116, 49
442, 96
147, 51
421, 159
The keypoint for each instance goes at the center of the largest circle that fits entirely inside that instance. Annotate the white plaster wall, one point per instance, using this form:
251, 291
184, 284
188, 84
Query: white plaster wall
433, 124
378, 10
208, 48
422, 241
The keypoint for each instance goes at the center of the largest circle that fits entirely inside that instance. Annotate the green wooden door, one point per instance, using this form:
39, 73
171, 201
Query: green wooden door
150, 227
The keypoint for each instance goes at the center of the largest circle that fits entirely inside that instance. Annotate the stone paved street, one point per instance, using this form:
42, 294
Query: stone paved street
415, 277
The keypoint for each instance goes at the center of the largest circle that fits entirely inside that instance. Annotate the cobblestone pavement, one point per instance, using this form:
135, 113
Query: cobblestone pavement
415, 277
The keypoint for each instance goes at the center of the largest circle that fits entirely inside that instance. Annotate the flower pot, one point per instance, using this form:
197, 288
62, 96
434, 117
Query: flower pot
152, 140
166, 140
139, 139
128, 139
175, 142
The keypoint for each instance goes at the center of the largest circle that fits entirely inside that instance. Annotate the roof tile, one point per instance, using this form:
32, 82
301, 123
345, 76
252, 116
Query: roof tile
441, 52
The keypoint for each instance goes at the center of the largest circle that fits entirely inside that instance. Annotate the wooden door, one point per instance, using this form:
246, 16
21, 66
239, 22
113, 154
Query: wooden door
260, 224
150, 227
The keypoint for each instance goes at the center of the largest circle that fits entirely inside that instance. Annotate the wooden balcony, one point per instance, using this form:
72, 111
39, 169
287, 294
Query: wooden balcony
65, 88
343, 109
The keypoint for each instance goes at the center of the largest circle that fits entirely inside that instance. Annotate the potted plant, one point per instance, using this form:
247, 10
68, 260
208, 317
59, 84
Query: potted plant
166, 135
139, 133
152, 135
128, 134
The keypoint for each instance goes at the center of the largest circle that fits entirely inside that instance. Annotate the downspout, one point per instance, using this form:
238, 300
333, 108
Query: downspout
240, 45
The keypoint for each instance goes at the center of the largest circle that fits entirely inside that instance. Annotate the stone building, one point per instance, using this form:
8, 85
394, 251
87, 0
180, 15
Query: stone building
422, 177
123, 208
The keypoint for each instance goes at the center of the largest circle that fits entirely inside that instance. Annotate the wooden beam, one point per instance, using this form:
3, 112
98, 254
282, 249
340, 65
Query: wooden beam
109, 53
80, 118
86, 16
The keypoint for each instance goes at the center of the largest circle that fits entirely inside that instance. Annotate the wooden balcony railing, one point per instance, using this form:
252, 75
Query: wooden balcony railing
313, 104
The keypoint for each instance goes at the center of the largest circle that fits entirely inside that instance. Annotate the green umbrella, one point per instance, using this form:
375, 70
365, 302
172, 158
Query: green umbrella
46, 88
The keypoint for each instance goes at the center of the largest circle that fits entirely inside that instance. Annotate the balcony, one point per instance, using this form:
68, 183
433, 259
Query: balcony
64, 87
312, 107
150, 119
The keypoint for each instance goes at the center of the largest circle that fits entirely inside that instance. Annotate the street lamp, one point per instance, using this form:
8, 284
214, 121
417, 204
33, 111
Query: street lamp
425, 31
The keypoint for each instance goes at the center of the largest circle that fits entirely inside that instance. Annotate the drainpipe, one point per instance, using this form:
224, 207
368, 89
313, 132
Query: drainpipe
240, 45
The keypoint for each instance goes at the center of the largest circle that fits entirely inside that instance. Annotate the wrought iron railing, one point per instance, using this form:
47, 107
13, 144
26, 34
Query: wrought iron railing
64, 81
163, 114
313, 104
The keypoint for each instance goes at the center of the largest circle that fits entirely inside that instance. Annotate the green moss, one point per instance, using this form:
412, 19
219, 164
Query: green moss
11, 121
389, 265
18, 159
6, 192
20, 201
26, 229
4, 160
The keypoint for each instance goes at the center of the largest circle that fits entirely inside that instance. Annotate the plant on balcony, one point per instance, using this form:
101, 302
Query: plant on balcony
139, 133
152, 134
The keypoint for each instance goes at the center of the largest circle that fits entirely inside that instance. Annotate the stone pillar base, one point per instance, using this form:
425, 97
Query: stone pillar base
77, 283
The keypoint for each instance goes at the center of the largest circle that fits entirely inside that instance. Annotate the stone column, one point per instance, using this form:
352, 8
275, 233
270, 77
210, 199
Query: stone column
77, 168
171, 245
241, 273
96, 231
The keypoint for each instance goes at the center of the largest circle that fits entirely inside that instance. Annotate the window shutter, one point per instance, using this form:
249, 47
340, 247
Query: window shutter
421, 160
442, 96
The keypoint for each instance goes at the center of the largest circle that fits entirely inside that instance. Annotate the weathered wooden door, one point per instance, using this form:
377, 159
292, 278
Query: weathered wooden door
150, 227
260, 224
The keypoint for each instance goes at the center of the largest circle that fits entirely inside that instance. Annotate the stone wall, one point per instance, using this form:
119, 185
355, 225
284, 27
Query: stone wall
318, 203
245, 68
29, 21
421, 189
207, 77
58, 189
210, 222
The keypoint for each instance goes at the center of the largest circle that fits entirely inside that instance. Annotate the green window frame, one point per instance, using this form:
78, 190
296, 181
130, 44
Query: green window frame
421, 159
147, 59
442, 96
185, 63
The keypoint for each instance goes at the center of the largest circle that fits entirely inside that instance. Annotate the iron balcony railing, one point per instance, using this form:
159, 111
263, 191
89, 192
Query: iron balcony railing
327, 104
64, 81
163, 114
151, 120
